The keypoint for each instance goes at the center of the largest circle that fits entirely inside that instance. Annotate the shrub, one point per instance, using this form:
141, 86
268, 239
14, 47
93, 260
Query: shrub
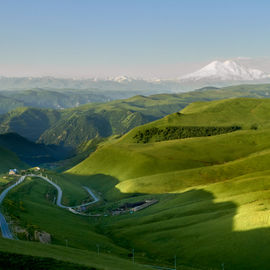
254, 126
172, 133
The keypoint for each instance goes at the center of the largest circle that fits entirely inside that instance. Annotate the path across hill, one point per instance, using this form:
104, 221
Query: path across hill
6, 233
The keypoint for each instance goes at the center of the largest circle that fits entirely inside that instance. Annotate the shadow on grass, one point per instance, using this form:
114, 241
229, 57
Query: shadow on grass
104, 184
190, 225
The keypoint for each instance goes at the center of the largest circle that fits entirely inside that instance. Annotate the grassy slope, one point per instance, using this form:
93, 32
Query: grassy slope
62, 225
58, 222
30, 152
91, 120
41, 98
116, 117
244, 112
227, 222
9, 160
67, 254
125, 160
213, 191
28, 122
7, 104
81, 232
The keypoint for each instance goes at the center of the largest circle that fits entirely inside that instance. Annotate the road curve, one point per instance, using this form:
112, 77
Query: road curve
6, 233
60, 193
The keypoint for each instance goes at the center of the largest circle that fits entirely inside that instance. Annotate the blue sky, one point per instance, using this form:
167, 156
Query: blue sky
134, 37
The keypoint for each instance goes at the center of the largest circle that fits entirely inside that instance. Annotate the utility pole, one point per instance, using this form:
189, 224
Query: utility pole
223, 266
175, 262
133, 256
98, 249
66, 243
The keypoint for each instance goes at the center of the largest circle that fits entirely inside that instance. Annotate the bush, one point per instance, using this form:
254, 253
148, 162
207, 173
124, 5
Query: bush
27, 262
254, 126
173, 133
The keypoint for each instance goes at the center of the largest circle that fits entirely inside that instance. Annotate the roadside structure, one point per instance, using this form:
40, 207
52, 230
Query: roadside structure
13, 172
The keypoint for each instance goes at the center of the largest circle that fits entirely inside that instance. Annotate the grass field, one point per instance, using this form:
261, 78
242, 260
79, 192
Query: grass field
26, 205
64, 255
213, 191
9, 161
156, 167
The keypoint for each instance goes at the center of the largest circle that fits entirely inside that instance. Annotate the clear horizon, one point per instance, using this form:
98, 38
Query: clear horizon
165, 39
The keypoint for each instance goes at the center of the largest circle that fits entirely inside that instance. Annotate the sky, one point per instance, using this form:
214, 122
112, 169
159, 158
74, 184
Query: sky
141, 38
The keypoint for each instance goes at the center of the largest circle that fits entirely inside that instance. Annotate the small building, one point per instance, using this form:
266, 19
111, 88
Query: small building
145, 205
13, 172
116, 212
36, 168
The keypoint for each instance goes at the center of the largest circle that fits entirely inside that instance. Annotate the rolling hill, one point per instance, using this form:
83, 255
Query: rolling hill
71, 127
8, 104
28, 122
115, 117
9, 160
53, 99
132, 159
60, 127
213, 191
30, 152
60, 98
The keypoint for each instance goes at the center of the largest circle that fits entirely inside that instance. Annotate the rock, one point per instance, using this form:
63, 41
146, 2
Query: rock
42, 237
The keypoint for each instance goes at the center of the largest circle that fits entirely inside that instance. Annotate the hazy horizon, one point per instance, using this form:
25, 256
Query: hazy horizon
148, 39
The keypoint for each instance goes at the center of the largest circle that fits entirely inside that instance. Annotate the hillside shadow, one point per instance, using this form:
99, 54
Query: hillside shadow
103, 184
192, 225
205, 234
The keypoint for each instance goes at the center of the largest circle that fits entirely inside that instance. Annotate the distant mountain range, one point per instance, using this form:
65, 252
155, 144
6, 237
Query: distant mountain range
217, 73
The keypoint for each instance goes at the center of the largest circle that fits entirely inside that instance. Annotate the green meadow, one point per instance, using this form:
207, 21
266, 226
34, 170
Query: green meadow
213, 195
9, 160
213, 191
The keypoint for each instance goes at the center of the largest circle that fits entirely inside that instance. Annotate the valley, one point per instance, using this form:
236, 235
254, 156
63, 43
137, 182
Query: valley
134, 135
201, 168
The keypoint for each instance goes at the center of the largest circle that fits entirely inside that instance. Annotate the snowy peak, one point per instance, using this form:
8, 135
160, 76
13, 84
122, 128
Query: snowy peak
121, 79
226, 71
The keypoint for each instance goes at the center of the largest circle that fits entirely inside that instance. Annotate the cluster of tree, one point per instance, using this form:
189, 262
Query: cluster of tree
18, 261
172, 133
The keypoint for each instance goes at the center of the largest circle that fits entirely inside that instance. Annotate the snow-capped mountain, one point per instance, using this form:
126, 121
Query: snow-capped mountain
217, 74
226, 71
121, 79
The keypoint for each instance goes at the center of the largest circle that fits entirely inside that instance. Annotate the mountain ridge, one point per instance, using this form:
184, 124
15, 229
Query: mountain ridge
216, 73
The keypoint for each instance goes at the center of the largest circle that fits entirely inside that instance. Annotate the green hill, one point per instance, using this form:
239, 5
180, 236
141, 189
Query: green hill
213, 191
112, 118
30, 152
245, 113
52, 99
31, 255
60, 98
127, 160
72, 127
9, 160
74, 238
28, 122
8, 104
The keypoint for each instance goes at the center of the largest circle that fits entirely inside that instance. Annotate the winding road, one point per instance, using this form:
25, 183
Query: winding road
6, 233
